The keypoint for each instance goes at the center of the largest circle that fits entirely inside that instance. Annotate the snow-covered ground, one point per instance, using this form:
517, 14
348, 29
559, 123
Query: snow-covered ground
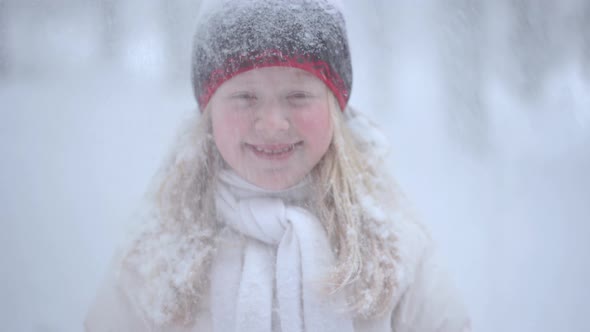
508, 201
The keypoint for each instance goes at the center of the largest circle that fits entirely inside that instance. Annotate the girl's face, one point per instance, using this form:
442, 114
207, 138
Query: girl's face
272, 125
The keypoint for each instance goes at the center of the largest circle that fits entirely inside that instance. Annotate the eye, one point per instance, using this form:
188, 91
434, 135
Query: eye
244, 99
299, 95
244, 96
300, 98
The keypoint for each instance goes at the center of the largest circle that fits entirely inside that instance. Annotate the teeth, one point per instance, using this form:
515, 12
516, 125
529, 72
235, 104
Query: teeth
268, 151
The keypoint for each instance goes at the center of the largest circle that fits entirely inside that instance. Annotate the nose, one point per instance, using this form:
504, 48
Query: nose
271, 119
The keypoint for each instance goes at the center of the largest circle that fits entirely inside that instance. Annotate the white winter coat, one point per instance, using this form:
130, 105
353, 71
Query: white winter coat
426, 300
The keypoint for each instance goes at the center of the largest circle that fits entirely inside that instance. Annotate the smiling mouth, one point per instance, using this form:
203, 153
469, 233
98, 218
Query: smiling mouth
273, 151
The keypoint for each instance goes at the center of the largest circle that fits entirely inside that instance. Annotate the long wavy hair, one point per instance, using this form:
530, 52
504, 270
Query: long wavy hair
167, 266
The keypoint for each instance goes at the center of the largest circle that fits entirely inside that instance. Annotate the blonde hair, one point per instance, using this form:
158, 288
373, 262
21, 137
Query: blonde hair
351, 195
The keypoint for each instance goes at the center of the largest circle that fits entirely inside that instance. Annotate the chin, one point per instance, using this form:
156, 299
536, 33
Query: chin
276, 182
274, 185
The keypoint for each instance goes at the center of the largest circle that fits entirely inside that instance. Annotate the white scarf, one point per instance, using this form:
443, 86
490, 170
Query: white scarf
284, 244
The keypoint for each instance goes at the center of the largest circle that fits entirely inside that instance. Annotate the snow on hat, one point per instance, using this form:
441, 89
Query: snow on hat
238, 36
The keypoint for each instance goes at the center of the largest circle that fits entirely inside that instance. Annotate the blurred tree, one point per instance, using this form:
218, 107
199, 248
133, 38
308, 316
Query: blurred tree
3, 38
177, 19
585, 36
109, 11
461, 40
373, 24
546, 36
531, 46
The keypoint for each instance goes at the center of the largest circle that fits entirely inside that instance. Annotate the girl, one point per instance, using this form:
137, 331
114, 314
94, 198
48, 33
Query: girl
272, 214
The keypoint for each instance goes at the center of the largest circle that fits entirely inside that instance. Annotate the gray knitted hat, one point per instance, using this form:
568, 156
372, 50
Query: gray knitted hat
238, 36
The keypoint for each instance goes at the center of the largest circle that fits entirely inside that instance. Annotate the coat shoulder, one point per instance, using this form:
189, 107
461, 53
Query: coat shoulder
427, 299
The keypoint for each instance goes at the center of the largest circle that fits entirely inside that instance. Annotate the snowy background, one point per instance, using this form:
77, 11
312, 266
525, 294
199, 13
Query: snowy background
486, 105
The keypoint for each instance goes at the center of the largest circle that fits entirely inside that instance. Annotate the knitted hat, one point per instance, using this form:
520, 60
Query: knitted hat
238, 36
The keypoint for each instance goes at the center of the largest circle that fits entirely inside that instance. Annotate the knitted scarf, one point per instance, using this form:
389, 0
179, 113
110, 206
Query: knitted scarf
284, 257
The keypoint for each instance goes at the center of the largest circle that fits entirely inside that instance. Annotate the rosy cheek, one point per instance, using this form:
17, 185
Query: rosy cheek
226, 132
315, 125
